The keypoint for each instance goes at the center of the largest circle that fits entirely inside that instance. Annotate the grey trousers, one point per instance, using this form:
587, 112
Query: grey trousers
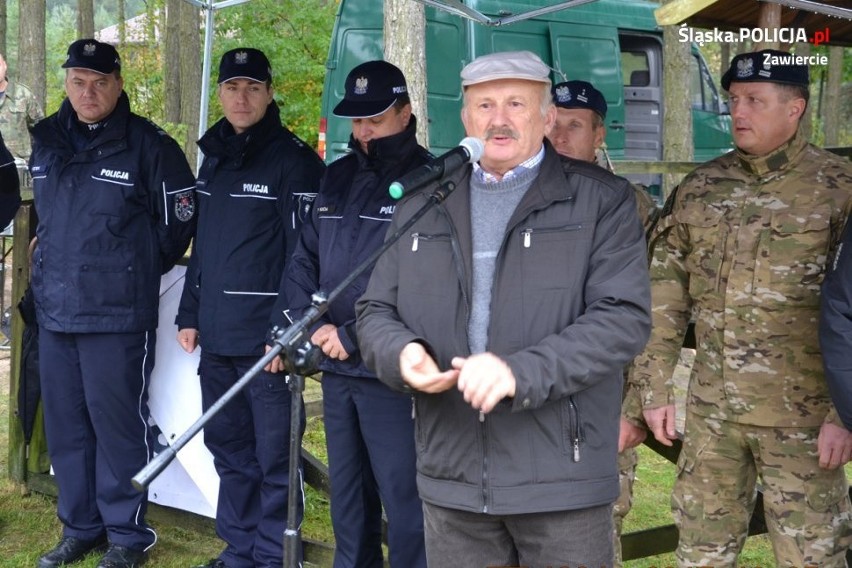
561, 539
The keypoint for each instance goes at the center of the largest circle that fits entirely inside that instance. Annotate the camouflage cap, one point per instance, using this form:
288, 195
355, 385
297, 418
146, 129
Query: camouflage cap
767, 66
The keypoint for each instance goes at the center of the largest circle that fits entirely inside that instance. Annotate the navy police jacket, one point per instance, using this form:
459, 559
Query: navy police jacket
254, 190
835, 327
116, 210
351, 215
10, 186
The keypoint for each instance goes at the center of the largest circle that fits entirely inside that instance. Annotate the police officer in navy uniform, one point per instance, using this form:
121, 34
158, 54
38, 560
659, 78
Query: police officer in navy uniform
10, 185
116, 205
369, 428
255, 188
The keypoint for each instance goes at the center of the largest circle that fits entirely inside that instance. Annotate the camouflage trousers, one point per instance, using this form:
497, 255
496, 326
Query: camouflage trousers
627, 461
807, 508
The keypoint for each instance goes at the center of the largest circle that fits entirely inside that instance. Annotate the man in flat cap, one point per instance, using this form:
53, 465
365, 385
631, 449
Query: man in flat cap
578, 132
255, 187
369, 428
116, 206
743, 244
509, 314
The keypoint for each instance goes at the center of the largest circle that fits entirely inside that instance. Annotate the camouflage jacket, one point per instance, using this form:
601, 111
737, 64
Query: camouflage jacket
631, 407
744, 242
19, 111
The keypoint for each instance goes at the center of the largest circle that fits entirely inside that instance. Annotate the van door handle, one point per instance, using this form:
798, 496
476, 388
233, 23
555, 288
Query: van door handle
616, 126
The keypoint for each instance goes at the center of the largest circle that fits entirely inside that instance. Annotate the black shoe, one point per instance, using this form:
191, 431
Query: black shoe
122, 557
69, 550
215, 563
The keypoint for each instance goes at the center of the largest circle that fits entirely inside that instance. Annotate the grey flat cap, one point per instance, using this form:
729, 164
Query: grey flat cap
524, 65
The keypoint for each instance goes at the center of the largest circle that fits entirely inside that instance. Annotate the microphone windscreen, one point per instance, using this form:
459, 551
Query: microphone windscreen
474, 146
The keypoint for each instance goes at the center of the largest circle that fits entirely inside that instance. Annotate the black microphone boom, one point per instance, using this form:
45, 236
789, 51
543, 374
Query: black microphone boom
469, 150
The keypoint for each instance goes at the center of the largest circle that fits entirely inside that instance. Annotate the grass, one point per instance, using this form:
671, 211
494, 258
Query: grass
28, 523
29, 527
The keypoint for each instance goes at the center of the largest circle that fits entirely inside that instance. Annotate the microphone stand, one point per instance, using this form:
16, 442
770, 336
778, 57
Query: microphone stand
301, 358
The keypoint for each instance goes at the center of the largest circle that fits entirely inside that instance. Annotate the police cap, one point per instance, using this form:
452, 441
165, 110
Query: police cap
767, 66
244, 63
579, 94
371, 89
93, 55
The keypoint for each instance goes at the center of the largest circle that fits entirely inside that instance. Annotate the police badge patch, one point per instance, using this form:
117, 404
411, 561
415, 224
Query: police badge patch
184, 205
305, 202
563, 94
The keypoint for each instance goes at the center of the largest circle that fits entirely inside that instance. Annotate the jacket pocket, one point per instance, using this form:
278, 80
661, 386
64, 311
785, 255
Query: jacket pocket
568, 248
114, 195
708, 236
427, 266
106, 289
826, 496
792, 254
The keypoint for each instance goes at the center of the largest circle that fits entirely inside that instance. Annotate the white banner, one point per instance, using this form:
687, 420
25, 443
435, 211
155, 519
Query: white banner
190, 482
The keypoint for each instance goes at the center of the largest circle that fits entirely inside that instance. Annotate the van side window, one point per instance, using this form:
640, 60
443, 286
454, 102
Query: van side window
635, 70
702, 91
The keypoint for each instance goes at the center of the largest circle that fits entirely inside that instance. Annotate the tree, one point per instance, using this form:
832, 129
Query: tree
768, 18
677, 127
4, 21
190, 76
85, 18
831, 111
171, 61
806, 124
724, 58
405, 47
31, 47
122, 22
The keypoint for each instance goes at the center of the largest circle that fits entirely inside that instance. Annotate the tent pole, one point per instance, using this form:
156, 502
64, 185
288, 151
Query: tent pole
205, 78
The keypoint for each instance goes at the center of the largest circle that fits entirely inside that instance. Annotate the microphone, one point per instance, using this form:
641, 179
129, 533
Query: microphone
469, 150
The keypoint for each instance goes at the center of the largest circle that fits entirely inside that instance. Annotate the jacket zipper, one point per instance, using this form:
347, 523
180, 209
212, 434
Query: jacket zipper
416, 237
527, 233
459, 264
574, 418
484, 464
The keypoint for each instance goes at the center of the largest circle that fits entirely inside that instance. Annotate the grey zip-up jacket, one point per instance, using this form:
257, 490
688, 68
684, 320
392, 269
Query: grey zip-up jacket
570, 307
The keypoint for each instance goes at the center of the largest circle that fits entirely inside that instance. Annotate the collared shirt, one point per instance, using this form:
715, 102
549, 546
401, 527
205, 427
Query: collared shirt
524, 166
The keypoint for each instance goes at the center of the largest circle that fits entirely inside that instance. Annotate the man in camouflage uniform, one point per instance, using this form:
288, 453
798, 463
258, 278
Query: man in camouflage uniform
19, 111
744, 243
578, 132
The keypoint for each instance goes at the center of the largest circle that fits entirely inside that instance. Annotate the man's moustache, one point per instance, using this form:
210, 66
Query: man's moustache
502, 131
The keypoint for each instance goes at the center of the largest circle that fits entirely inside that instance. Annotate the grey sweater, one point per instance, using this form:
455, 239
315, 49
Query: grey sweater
491, 206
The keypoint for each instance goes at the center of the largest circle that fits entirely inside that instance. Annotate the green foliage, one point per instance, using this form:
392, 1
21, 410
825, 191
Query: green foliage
61, 30
295, 36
